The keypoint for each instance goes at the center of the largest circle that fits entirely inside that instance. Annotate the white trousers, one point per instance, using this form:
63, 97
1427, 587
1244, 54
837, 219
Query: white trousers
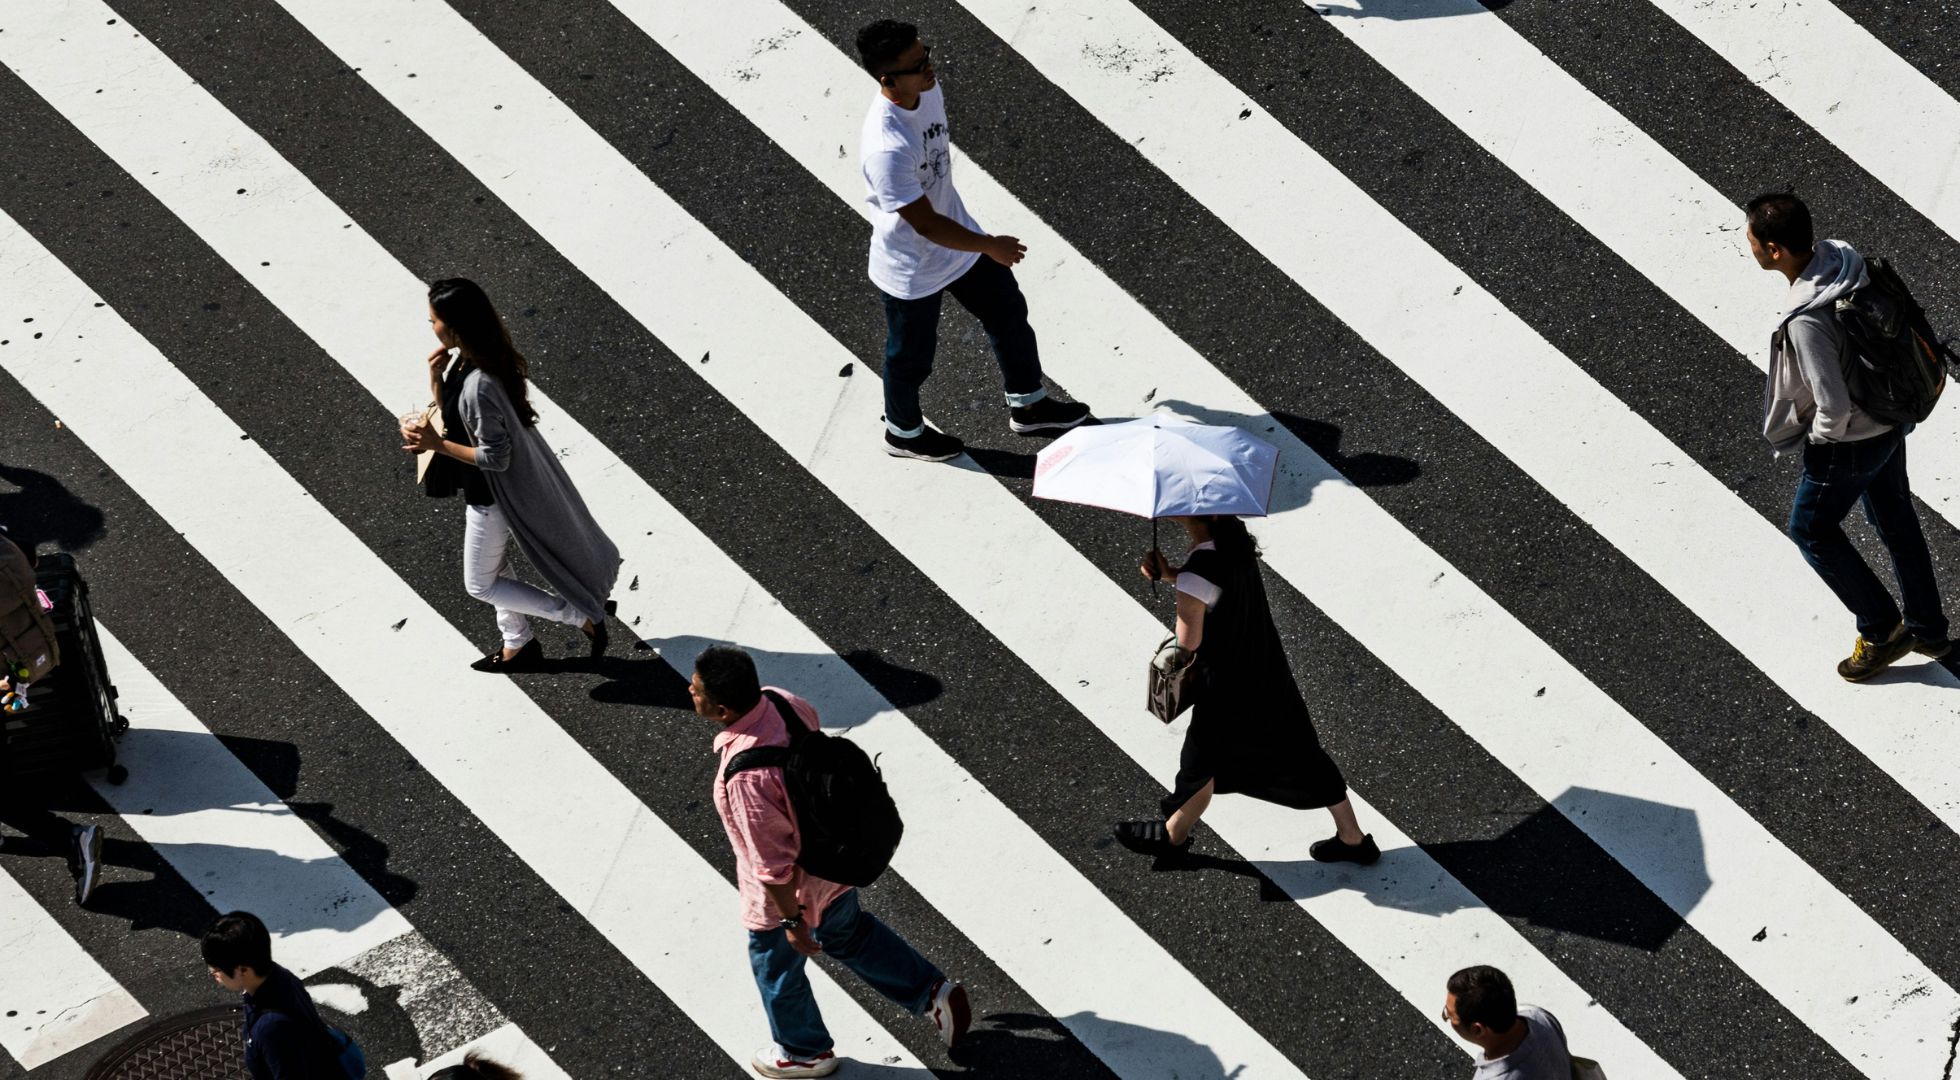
486, 575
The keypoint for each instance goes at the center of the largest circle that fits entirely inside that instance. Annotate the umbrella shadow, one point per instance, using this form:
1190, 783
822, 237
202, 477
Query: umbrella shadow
1506, 873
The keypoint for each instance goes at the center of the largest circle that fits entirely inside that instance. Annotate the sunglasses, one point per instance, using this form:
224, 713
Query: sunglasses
916, 69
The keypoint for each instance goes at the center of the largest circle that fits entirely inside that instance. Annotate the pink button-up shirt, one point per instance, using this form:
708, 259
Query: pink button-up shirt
754, 808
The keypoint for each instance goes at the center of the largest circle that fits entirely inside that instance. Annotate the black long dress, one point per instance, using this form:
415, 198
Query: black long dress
1250, 732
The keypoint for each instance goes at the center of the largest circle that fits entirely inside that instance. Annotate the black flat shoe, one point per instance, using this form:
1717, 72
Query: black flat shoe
528, 658
1333, 850
599, 636
1149, 838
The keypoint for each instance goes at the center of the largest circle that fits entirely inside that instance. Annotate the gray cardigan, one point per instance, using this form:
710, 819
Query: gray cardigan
550, 521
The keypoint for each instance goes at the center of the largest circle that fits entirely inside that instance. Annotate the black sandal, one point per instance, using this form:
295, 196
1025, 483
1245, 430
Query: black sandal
599, 636
528, 658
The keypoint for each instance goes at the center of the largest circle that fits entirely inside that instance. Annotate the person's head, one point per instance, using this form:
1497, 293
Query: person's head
1780, 232
1480, 1005
892, 52
463, 318
725, 685
476, 1067
238, 950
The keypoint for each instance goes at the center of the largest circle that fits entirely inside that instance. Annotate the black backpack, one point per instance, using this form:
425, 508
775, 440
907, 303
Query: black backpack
849, 824
1896, 365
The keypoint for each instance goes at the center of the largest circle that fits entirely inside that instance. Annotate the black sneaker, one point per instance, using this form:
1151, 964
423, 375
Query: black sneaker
1333, 850
88, 861
1046, 415
1149, 838
927, 445
1931, 648
1868, 658
528, 658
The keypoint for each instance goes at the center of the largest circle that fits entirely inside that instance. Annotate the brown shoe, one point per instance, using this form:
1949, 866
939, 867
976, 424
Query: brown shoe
1868, 658
1935, 650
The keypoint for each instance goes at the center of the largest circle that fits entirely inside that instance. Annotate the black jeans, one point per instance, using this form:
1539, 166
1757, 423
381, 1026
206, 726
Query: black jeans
989, 291
1873, 472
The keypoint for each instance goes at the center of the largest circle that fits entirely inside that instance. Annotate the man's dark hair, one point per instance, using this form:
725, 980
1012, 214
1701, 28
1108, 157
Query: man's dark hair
881, 43
1484, 996
477, 1067
1782, 219
238, 939
728, 677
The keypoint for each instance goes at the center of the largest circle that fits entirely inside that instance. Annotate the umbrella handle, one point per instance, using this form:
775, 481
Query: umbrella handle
1153, 547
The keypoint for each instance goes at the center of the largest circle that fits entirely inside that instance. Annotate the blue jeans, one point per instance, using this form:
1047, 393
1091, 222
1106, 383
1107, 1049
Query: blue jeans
1873, 472
854, 938
989, 291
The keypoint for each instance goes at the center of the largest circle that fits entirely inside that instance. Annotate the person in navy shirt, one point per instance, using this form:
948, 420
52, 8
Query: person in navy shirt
285, 1039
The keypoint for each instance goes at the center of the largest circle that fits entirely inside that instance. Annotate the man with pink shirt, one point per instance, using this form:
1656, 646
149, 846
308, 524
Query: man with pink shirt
790, 914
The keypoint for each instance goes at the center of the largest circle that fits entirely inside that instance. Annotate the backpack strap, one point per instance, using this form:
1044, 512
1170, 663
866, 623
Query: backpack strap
793, 724
770, 757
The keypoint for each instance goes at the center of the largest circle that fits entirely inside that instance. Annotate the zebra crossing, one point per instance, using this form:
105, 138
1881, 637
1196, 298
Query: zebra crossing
1553, 794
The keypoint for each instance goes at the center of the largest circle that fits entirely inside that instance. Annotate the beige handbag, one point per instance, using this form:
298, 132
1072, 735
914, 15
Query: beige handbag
1586, 1069
431, 416
1173, 680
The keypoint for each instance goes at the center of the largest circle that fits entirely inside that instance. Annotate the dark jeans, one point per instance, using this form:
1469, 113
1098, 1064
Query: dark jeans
1873, 472
988, 291
854, 938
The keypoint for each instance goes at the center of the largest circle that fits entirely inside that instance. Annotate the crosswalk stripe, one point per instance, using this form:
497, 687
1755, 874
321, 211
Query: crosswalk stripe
508, 1046
1078, 304
1137, 1017
54, 996
491, 746
1441, 346
234, 841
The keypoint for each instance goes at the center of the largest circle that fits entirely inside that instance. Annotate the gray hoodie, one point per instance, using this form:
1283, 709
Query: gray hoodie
1805, 396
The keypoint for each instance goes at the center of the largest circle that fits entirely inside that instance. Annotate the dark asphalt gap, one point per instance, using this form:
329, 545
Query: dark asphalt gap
504, 929
1645, 912
1640, 345
1920, 32
354, 467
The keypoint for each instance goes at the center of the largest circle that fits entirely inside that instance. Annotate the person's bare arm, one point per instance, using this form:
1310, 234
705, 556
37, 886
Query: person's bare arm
946, 232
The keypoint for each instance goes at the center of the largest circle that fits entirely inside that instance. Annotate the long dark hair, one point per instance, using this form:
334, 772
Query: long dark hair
1231, 536
475, 1067
465, 308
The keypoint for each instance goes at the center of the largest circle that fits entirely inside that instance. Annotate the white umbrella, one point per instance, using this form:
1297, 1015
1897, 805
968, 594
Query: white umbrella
1159, 466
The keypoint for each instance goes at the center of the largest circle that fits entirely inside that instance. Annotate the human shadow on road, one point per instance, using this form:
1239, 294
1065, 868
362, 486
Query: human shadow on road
662, 679
43, 511
1170, 1053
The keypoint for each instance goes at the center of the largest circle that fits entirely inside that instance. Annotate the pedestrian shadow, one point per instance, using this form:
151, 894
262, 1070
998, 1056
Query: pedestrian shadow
1000, 1037
843, 703
1599, 898
1404, 10
43, 511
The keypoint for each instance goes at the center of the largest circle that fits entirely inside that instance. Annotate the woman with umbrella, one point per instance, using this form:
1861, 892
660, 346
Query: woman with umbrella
1250, 730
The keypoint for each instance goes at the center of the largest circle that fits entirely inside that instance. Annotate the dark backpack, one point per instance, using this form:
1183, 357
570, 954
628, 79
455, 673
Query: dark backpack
1895, 367
849, 824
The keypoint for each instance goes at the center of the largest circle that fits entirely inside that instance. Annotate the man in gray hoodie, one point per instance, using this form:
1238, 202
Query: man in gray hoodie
1848, 455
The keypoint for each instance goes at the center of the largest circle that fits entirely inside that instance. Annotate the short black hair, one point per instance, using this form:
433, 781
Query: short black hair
1781, 218
881, 43
238, 939
728, 677
1484, 996
477, 1067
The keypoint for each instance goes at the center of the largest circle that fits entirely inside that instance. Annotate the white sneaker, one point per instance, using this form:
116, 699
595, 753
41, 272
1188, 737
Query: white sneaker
772, 1061
951, 1013
88, 849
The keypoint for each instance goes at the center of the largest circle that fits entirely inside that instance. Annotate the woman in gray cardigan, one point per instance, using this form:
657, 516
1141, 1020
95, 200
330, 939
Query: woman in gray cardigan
513, 483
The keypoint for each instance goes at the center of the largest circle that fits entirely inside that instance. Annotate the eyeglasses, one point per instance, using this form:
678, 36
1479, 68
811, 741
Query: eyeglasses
916, 69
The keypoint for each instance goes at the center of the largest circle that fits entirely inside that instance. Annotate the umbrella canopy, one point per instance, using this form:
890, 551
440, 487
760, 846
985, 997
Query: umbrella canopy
1159, 466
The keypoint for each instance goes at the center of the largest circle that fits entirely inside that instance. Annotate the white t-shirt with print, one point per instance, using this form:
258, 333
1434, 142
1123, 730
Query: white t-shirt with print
906, 153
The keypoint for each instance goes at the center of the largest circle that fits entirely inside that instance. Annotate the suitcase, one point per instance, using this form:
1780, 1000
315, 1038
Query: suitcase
71, 724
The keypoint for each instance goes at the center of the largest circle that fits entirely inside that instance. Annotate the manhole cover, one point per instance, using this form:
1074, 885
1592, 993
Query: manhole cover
203, 1045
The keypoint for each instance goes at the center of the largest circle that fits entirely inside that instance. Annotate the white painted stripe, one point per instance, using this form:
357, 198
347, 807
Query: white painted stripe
507, 1046
970, 857
559, 810
1438, 325
54, 997
227, 836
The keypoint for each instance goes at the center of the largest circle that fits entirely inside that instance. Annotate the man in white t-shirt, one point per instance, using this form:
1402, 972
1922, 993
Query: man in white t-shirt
1519, 1043
924, 245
